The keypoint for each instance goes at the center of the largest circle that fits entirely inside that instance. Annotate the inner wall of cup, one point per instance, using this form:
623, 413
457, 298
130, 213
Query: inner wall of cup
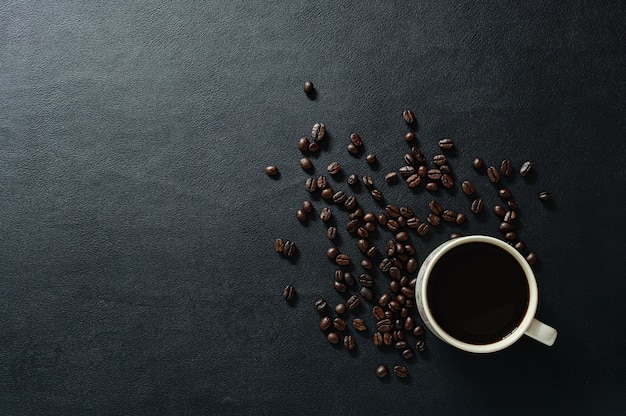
531, 308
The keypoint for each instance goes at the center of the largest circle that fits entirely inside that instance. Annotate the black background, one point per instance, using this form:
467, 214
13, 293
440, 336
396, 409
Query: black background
137, 270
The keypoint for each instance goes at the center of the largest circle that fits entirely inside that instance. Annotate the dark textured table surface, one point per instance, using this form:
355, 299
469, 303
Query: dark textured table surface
137, 273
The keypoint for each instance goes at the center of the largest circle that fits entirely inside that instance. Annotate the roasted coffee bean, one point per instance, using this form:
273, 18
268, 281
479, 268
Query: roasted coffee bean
301, 215
353, 302
359, 324
413, 222
370, 227
406, 171
435, 207
322, 182
402, 236
411, 265
408, 159
398, 248
362, 232
526, 168
366, 280
389, 314
307, 206
477, 163
352, 149
520, 246
545, 196
327, 194
363, 245
408, 116
434, 174
384, 300
378, 339
531, 258
385, 265
398, 335
371, 158
279, 245
352, 180
308, 87
314, 147
348, 342
510, 236
477, 206
504, 193
401, 371
406, 212
409, 137
422, 171
382, 219
332, 337
511, 204
372, 252
381, 371
394, 273
378, 313
418, 330
339, 197
493, 174
420, 345
356, 214
409, 323
499, 210
349, 279
505, 227
423, 229
325, 323
391, 248
369, 217
393, 305
447, 181
460, 218
306, 164
311, 185
271, 170
408, 353
384, 325
339, 324
400, 299
440, 160
318, 132
356, 140
333, 168
332, 252
392, 225
289, 292
331, 233
433, 219
455, 235
417, 154
446, 143
303, 144
401, 345
506, 167
408, 292
350, 203
326, 214
377, 195
468, 188
353, 225
367, 181
413, 180
449, 215
342, 259
432, 186
391, 177
388, 338
320, 305
510, 216
340, 309
367, 293
289, 249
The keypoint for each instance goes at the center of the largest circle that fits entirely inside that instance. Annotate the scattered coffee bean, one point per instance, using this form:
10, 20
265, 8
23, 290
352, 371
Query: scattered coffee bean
332, 252
433, 219
318, 132
377, 195
434, 174
279, 245
407, 354
321, 305
350, 203
477, 163
369, 217
382, 219
406, 212
367, 181
460, 218
477, 206
520, 246
422, 171
445, 169
331, 233
353, 225
411, 265
363, 245
372, 252
348, 342
505, 227
306, 164
401, 345
531, 258
423, 229
468, 188
303, 144
307, 206
301, 215
510, 236
417, 154
366, 280
378, 339
447, 181
352, 149
378, 313
504, 193
408, 159
413, 222
446, 143
392, 211
493, 174
401, 371
388, 338
322, 182
371, 158
391, 177
289, 249
545, 196
418, 330
353, 302
499, 210
511, 204
325, 323
449, 215
432, 186
359, 324
408, 116
384, 325
420, 345
326, 214
340, 309
393, 226
311, 185
342, 259
413, 180
339, 197
356, 214
334, 168
314, 147
439, 160
352, 180
406, 171
409, 137
506, 167
356, 140
332, 337
402, 236
271, 170
510, 216
339, 324
308, 87
367, 294
435, 207
289, 292
349, 279
381, 371
526, 168
327, 193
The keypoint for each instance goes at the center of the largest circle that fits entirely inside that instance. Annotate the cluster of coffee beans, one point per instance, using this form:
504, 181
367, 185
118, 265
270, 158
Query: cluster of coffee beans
391, 302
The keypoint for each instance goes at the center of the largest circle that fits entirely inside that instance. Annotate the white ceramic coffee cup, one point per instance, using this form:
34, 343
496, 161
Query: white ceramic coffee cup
528, 325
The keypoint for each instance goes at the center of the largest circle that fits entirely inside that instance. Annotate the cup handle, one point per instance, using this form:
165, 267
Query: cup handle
541, 332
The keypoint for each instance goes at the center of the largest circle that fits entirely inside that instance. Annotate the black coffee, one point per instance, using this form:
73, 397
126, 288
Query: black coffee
478, 293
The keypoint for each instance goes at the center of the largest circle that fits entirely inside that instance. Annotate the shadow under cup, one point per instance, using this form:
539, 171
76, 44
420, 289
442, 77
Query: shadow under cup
477, 294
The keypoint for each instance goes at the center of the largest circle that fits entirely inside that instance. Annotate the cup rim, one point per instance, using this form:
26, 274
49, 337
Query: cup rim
529, 315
